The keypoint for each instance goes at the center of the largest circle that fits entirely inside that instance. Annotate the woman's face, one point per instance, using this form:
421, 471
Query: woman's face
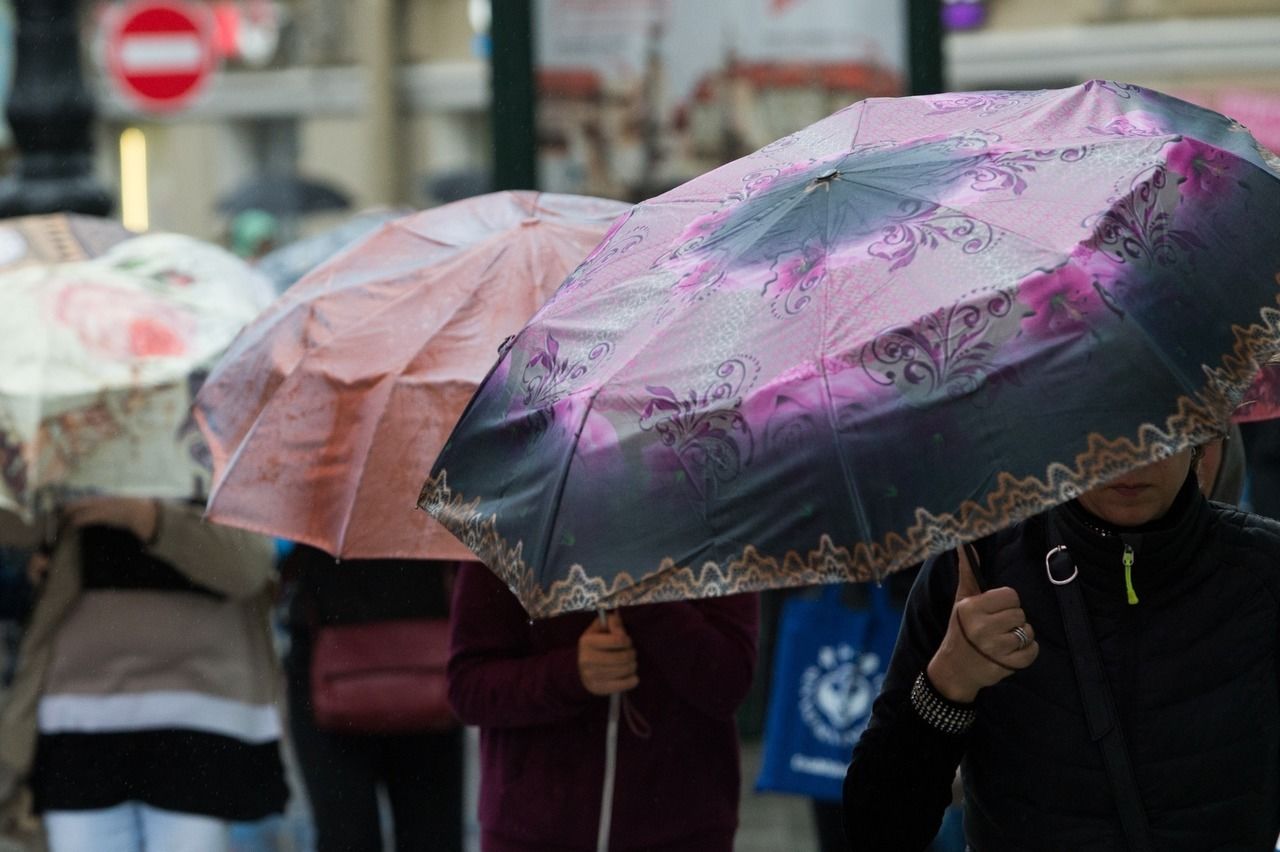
1141, 495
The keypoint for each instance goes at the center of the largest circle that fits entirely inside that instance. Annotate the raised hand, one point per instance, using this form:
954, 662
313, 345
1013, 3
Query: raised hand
983, 645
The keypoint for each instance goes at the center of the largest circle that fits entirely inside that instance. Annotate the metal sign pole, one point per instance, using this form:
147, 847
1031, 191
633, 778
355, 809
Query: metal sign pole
924, 47
513, 100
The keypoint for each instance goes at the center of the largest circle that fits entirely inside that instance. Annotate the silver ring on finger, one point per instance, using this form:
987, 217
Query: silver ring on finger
1023, 639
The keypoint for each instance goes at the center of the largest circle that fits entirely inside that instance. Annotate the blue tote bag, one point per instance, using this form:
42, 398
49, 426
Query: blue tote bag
828, 665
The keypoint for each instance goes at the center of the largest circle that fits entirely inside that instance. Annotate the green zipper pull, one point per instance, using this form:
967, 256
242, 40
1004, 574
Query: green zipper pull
1128, 575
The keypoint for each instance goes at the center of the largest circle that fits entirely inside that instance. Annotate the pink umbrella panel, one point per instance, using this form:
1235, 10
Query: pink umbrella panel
325, 411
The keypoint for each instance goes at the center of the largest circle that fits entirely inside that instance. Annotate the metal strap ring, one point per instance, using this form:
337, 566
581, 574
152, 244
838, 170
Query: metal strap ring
1075, 570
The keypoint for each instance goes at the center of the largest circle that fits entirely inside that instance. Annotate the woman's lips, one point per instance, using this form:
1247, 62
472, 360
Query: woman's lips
1129, 490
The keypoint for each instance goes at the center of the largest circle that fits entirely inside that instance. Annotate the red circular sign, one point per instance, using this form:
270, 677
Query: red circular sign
160, 54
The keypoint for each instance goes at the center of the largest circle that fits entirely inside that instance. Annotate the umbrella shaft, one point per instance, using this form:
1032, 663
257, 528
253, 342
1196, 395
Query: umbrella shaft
610, 763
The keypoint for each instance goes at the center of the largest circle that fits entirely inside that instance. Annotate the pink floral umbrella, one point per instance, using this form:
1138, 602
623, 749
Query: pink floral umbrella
319, 412
911, 324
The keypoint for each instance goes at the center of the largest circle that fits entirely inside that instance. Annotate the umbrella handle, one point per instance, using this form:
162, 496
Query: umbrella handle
610, 763
968, 554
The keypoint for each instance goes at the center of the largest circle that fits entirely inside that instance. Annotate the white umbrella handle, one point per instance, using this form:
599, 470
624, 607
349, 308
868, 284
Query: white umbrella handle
610, 764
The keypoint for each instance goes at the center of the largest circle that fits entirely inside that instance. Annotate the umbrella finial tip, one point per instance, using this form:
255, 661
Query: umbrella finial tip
823, 180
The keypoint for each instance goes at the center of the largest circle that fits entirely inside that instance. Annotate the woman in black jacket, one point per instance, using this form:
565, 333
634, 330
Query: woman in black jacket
1179, 750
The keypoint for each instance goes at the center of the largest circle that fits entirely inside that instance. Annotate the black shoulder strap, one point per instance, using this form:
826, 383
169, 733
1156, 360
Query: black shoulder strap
1099, 707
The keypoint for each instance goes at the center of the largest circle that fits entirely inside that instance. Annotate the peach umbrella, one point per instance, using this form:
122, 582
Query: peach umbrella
322, 414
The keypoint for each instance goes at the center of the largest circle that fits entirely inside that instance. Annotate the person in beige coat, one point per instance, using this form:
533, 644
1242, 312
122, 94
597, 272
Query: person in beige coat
143, 711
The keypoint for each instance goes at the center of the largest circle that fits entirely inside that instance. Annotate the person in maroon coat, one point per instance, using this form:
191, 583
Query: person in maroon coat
538, 690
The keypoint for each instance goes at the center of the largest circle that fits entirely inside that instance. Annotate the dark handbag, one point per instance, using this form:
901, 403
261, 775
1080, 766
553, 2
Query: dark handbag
382, 677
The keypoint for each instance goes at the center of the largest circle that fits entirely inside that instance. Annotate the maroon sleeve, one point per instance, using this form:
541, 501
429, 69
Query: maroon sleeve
705, 649
496, 678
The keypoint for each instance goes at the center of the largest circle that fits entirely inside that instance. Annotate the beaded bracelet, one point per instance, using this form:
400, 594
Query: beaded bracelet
938, 711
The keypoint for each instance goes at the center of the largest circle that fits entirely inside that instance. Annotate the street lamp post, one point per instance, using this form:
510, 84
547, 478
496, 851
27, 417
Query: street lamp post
51, 115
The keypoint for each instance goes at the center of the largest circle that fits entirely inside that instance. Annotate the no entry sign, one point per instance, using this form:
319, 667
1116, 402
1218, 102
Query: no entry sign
160, 52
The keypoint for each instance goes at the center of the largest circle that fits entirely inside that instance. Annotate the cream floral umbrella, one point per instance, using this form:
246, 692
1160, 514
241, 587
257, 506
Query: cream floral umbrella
99, 360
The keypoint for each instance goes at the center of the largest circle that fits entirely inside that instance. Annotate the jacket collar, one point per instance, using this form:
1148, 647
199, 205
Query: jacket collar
1162, 548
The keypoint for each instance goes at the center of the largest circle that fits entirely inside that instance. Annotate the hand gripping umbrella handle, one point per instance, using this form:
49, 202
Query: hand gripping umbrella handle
610, 763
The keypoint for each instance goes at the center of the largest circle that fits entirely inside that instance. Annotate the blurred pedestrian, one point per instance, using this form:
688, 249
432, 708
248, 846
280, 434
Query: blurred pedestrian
1262, 449
538, 691
17, 823
419, 768
1109, 684
1221, 470
15, 606
143, 711
253, 234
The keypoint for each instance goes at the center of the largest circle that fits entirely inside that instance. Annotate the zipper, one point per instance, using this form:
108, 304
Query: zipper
1127, 560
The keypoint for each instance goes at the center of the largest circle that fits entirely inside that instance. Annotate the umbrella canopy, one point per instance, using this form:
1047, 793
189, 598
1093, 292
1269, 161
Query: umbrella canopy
284, 195
913, 323
98, 362
56, 238
319, 409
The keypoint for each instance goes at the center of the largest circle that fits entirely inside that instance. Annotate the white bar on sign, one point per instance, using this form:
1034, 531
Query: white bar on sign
161, 53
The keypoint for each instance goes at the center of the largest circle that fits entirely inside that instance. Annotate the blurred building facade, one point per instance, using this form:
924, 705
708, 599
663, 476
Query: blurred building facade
1224, 54
372, 97
636, 96
385, 99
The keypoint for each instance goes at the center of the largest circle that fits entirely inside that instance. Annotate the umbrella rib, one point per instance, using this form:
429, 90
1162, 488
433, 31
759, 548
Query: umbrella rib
862, 115
549, 522
388, 383
1057, 143
461, 306
239, 449
851, 487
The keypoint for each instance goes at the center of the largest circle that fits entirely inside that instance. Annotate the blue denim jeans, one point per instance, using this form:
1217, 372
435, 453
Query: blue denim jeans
134, 827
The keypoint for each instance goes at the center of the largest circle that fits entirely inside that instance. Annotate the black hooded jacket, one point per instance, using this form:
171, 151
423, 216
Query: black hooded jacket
1193, 668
